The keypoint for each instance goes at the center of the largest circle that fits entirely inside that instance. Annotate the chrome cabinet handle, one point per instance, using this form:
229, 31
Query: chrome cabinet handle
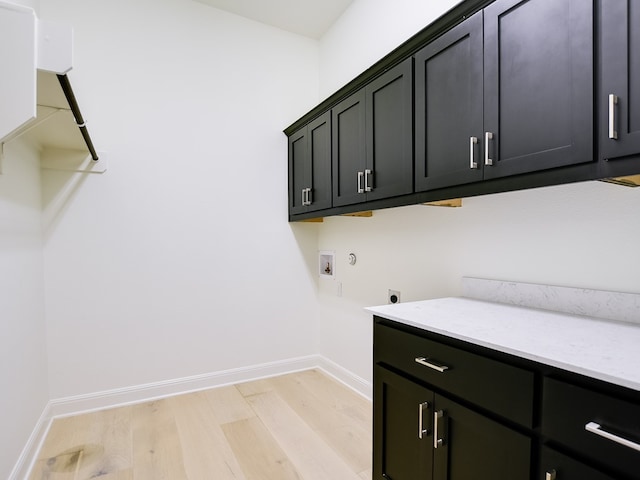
367, 185
613, 101
551, 475
487, 159
306, 197
421, 430
595, 428
437, 442
360, 177
431, 364
473, 141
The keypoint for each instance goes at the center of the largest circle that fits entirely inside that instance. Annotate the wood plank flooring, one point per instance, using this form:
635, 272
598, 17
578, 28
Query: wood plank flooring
301, 426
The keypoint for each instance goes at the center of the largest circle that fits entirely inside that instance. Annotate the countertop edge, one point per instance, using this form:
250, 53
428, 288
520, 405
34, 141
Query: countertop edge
382, 311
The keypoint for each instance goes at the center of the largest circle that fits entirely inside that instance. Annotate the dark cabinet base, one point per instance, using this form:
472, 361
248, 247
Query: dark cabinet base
434, 424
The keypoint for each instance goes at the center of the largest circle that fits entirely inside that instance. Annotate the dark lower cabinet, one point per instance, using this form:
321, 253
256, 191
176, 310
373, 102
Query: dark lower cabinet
556, 466
433, 423
422, 435
598, 426
402, 428
619, 95
469, 445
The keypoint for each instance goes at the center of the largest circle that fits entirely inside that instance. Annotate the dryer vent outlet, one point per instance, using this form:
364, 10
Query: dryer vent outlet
394, 296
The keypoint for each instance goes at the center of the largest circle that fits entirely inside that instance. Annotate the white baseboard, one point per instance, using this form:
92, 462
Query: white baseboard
30, 451
75, 405
359, 384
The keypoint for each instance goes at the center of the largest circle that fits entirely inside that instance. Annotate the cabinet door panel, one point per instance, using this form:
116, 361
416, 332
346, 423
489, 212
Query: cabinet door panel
320, 168
18, 59
348, 140
567, 409
390, 133
566, 468
399, 453
538, 84
476, 447
448, 107
620, 75
298, 151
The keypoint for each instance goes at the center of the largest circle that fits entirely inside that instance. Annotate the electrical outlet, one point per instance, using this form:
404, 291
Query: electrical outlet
394, 296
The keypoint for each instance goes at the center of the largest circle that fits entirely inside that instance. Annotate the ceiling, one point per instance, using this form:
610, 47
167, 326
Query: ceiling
311, 18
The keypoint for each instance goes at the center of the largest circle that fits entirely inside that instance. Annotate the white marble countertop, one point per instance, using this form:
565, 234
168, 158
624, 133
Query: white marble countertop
602, 349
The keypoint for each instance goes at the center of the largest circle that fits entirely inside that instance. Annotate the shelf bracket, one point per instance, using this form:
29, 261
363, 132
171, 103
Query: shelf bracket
72, 161
454, 202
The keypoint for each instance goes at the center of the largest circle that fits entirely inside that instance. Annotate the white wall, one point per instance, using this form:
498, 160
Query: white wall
23, 353
366, 32
179, 260
582, 235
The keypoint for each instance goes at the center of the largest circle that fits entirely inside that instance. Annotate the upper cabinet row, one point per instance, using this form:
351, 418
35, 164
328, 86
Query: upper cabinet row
508, 91
505, 93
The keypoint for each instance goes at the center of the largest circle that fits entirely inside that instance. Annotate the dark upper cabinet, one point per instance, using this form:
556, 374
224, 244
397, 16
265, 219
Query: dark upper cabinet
508, 91
448, 108
389, 132
619, 95
310, 166
538, 85
372, 139
349, 155
492, 97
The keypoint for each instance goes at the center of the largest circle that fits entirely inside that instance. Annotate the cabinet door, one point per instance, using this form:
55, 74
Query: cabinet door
298, 180
557, 466
620, 75
18, 60
348, 149
538, 85
310, 166
472, 446
389, 133
448, 108
602, 427
319, 166
402, 414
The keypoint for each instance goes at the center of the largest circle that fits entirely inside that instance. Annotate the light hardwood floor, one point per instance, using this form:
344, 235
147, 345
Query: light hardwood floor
298, 426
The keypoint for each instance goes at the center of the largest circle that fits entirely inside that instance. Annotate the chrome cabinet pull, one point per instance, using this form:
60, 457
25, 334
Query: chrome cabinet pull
421, 430
427, 362
473, 141
360, 177
306, 197
595, 428
613, 101
487, 159
551, 475
437, 442
368, 186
